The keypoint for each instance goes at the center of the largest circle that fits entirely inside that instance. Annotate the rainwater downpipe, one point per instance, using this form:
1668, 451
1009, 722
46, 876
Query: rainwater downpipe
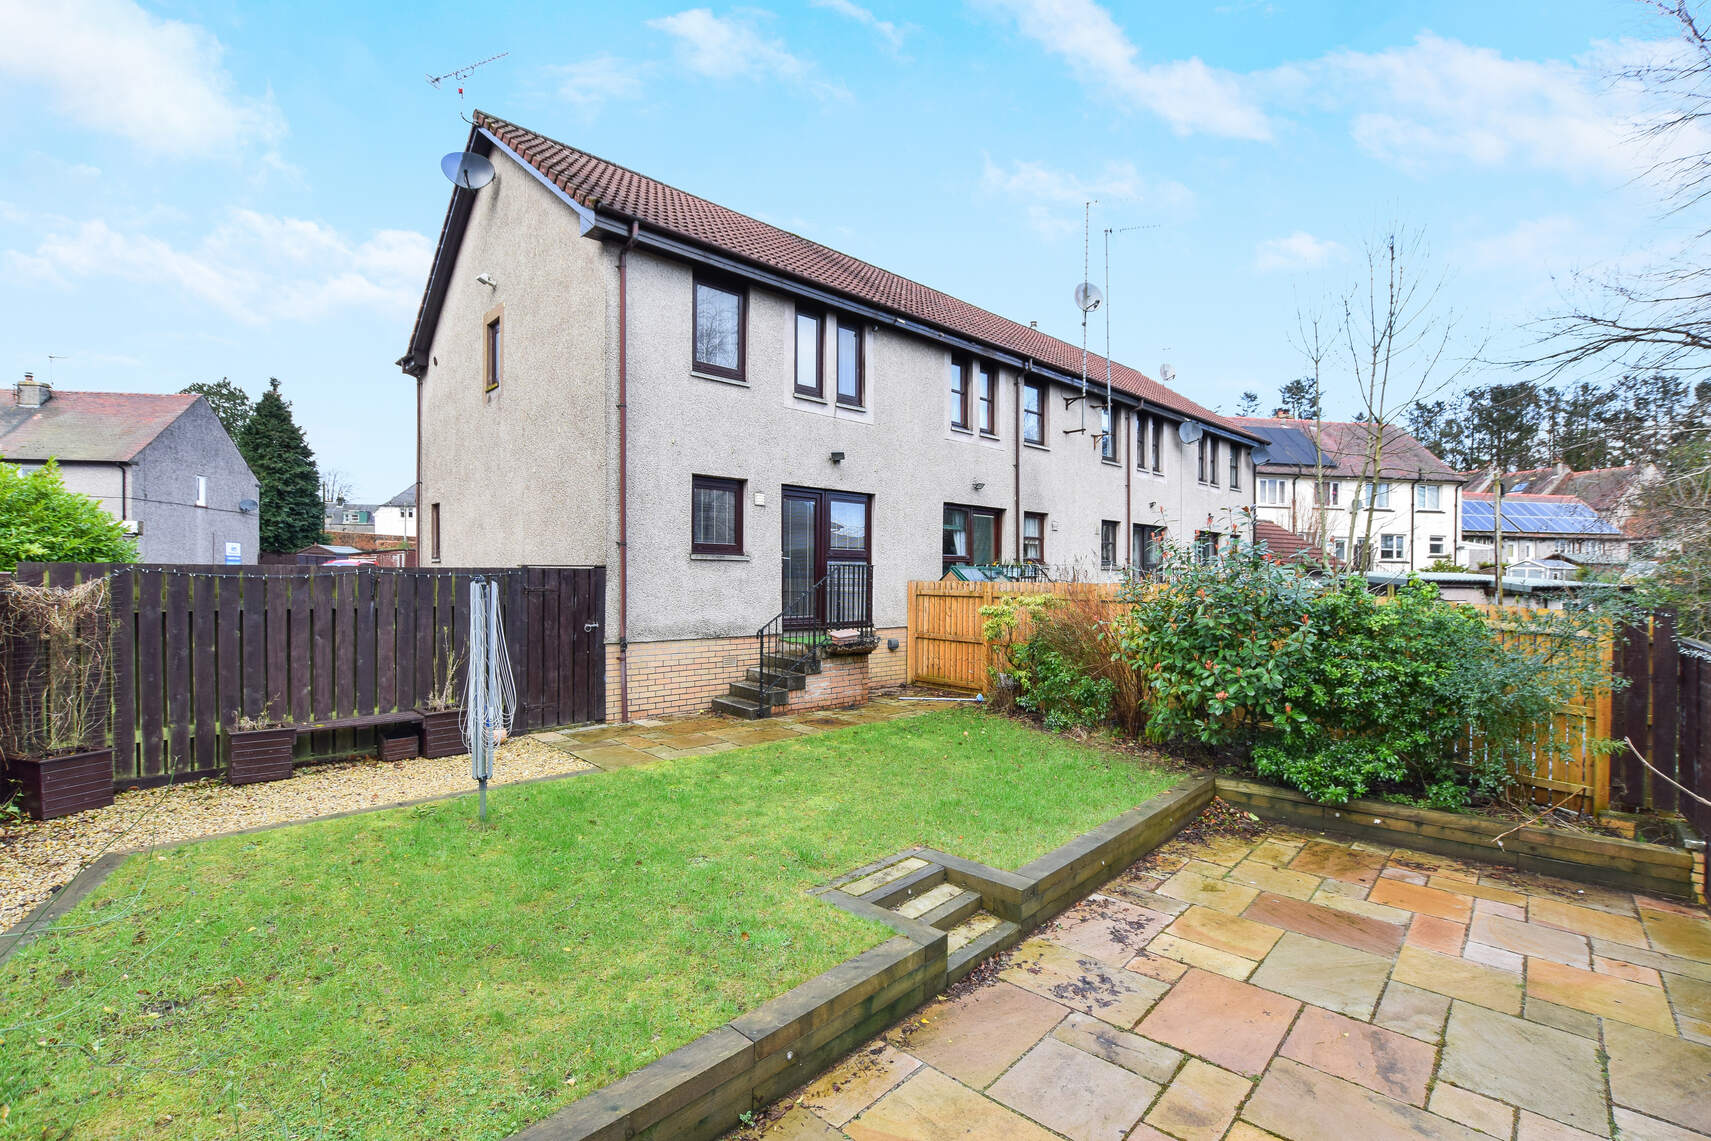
1016, 447
623, 473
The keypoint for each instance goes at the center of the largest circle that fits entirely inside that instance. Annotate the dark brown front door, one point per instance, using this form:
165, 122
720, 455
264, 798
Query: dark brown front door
823, 531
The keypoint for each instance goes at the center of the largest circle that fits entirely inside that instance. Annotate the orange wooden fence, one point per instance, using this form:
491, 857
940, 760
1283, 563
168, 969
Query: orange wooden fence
947, 648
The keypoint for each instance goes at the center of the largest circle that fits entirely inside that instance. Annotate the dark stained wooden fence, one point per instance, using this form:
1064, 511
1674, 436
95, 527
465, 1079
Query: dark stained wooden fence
1665, 710
195, 648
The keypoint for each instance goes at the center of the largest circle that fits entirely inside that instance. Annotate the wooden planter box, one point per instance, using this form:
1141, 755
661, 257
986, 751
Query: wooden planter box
442, 732
50, 787
399, 745
259, 755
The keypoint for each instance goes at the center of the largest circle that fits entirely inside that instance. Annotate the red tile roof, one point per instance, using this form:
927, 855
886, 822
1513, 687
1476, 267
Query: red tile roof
597, 183
100, 426
1347, 442
1285, 545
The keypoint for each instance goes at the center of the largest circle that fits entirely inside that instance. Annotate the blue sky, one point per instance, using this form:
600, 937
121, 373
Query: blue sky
194, 190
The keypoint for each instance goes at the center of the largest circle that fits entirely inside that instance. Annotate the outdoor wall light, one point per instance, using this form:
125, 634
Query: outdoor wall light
978, 485
837, 457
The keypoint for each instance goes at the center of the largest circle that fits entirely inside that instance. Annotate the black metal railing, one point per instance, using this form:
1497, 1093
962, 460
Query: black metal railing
837, 610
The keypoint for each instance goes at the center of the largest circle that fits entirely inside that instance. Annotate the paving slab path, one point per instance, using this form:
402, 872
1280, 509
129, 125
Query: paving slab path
1305, 988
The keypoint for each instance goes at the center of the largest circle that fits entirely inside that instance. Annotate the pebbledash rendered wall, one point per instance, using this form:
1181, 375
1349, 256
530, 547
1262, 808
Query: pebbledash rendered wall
528, 474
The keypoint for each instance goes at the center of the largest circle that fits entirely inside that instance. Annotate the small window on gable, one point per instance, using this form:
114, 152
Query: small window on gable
492, 356
201, 491
810, 354
434, 531
718, 319
852, 365
716, 516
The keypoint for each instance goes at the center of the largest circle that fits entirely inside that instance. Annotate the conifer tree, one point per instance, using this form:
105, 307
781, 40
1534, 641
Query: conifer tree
273, 445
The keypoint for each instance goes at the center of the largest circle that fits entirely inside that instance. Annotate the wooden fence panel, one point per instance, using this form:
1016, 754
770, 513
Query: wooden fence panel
195, 648
946, 644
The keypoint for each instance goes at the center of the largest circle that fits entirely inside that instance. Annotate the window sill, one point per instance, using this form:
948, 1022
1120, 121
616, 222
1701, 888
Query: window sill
1036, 447
962, 431
736, 380
993, 436
701, 556
850, 406
810, 398
1429, 511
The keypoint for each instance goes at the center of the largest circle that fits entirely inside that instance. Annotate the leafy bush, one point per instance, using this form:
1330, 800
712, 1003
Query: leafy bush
43, 522
1344, 694
1066, 668
1059, 689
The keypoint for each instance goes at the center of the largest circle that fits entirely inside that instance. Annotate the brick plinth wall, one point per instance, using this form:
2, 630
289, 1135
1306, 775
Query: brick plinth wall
669, 678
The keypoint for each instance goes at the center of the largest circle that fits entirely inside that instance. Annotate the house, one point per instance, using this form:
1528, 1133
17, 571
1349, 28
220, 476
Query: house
1539, 526
1316, 481
162, 464
397, 516
737, 421
1617, 494
342, 516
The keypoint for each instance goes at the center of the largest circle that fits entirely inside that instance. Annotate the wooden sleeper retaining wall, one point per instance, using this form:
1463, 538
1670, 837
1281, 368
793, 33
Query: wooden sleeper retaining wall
700, 1090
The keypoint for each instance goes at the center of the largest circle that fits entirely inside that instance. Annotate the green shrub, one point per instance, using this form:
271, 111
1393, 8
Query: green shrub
1059, 689
1344, 694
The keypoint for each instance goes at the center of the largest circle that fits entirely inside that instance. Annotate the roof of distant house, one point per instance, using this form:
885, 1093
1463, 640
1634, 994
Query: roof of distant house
405, 498
88, 426
1285, 545
1605, 489
1533, 515
597, 184
1344, 446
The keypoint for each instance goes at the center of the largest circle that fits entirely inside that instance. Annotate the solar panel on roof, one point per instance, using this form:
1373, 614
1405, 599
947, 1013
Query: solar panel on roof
1535, 517
1290, 447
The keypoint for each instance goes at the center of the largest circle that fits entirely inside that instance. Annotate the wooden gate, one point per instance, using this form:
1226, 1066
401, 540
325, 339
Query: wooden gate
1666, 712
195, 648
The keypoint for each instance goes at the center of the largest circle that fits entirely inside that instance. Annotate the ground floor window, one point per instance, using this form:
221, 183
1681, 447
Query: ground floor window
1033, 537
1146, 547
716, 516
1393, 547
1206, 545
1436, 546
970, 535
1108, 544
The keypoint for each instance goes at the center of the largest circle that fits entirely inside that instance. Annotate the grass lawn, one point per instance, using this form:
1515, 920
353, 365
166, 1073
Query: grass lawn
414, 974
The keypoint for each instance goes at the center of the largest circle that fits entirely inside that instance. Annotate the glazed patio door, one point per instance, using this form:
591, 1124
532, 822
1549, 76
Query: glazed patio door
823, 531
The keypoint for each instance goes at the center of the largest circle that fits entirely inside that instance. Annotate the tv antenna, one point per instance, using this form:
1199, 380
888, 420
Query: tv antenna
51, 358
462, 73
1087, 299
1110, 421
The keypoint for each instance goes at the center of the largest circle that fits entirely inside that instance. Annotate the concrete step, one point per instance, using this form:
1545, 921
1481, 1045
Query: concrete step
748, 691
972, 940
787, 661
791, 680
950, 909
740, 707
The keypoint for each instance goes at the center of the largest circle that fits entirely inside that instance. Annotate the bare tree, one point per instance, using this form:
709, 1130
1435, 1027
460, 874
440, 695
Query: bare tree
335, 487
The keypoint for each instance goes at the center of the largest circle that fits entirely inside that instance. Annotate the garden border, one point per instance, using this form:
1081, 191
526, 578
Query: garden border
1631, 865
700, 1090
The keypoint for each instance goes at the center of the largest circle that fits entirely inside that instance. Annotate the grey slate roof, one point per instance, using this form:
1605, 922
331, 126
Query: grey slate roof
405, 498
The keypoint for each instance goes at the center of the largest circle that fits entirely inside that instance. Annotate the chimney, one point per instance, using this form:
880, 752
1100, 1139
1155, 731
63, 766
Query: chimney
32, 393
1281, 414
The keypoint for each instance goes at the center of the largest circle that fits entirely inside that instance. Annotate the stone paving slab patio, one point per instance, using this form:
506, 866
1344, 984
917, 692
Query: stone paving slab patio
1305, 988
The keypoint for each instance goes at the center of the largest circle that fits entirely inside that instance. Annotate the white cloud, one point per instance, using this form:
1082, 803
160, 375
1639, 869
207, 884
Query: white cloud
731, 47
590, 83
1187, 94
1439, 102
252, 267
1299, 250
891, 33
111, 66
1053, 198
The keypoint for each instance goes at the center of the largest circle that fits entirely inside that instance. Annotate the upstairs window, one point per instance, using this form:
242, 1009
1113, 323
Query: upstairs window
1428, 497
1271, 492
1235, 468
1375, 496
1158, 446
1328, 494
716, 516
959, 394
1033, 412
852, 366
201, 491
1107, 439
810, 354
988, 400
718, 319
1142, 429
1209, 460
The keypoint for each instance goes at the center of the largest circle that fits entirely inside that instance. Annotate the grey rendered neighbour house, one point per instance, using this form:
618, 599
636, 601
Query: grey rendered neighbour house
163, 464
611, 371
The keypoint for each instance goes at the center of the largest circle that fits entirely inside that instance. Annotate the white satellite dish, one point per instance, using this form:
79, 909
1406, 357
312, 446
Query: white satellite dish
1087, 297
1190, 430
1166, 373
1261, 455
467, 169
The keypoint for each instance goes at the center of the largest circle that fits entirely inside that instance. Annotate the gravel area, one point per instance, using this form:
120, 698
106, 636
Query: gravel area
36, 857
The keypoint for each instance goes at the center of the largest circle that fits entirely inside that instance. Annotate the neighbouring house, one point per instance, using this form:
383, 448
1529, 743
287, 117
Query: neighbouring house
1617, 494
161, 464
736, 421
397, 516
1317, 480
342, 516
346, 553
1537, 527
